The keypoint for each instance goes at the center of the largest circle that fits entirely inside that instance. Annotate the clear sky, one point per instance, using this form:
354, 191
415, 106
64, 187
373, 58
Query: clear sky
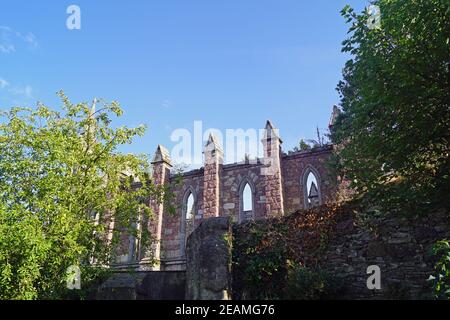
229, 63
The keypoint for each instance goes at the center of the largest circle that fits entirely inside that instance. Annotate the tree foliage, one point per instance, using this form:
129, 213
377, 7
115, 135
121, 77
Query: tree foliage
302, 146
65, 192
393, 133
441, 278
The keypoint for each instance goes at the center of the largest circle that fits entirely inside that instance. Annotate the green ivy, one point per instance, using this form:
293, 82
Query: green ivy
307, 284
266, 253
440, 280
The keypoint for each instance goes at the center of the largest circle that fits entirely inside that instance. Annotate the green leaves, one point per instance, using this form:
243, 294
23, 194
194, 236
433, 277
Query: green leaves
441, 279
393, 131
265, 251
307, 284
63, 193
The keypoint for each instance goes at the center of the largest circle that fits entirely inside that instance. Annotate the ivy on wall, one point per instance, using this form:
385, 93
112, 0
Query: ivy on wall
269, 261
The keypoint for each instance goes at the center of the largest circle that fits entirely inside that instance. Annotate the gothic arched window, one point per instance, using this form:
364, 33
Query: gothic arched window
311, 185
190, 207
187, 218
246, 196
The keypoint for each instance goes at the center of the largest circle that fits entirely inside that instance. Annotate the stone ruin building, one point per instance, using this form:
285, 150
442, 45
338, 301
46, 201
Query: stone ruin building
279, 183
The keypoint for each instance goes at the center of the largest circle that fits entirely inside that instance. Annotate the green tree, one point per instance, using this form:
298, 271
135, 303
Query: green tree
64, 190
393, 133
302, 145
441, 278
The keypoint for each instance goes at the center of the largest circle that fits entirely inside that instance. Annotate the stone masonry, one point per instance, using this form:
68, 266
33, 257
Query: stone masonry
278, 184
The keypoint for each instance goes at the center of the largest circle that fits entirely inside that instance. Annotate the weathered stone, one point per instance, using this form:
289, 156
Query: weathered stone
441, 228
228, 206
345, 225
208, 260
162, 286
399, 250
400, 247
150, 285
376, 249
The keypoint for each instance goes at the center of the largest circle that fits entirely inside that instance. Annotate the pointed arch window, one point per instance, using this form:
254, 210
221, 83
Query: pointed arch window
246, 196
311, 186
187, 218
190, 207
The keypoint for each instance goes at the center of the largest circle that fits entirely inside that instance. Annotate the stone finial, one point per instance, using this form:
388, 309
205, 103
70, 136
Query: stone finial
212, 144
334, 114
212, 172
161, 155
270, 132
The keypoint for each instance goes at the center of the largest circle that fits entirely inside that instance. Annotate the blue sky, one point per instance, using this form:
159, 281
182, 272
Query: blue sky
230, 64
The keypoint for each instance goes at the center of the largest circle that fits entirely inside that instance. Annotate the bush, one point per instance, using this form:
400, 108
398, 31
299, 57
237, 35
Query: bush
263, 251
62, 184
306, 284
441, 279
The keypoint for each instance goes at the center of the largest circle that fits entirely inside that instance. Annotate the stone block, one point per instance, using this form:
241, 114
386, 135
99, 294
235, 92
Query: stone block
229, 206
208, 256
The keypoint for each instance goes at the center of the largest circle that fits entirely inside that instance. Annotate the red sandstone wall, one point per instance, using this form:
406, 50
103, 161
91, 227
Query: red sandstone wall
231, 178
294, 167
170, 235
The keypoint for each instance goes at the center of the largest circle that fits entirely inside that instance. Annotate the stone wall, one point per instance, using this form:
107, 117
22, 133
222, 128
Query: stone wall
149, 285
232, 178
399, 246
276, 181
162, 285
208, 261
172, 255
295, 166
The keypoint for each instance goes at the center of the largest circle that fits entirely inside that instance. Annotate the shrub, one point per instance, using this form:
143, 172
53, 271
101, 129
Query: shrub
306, 284
441, 279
